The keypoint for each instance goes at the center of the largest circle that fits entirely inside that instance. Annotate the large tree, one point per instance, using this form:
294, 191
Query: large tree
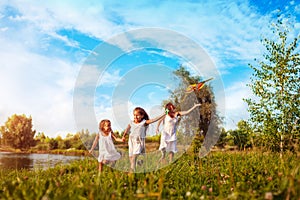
185, 101
17, 132
274, 111
194, 127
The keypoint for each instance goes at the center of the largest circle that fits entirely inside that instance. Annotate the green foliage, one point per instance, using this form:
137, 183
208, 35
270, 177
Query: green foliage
240, 139
223, 139
242, 136
202, 121
239, 175
75, 142
154, 138
53, 144
67, 143
196, 143
40, 137
184, 101
86, 139
41, 147
275, 110
17, 132
81, 141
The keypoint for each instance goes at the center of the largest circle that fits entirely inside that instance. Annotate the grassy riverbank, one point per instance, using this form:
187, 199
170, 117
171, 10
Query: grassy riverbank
220, 175
70, 152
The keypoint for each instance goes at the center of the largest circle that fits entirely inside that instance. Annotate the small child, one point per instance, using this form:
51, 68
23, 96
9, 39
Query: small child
168, 137
136, 141
107, 151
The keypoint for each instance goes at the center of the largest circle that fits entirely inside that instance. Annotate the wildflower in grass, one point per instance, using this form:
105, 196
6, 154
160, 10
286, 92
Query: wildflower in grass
188, 193
270, 178
268, 196
203, 187
210, 189
107, 152
139, 191
57, 184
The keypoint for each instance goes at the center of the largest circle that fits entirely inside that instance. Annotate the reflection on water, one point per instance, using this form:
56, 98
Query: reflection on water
31, 161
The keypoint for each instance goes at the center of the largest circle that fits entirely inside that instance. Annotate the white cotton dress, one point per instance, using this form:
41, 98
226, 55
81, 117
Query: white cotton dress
107, 150
136, 141
168, 139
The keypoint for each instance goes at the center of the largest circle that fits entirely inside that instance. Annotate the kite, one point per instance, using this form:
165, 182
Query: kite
197, 86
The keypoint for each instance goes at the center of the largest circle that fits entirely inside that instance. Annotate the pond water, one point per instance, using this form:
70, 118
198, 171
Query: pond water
31, 161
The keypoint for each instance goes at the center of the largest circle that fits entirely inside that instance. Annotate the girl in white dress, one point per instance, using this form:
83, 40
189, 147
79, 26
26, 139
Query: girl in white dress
137, 135
168, 137
107, 151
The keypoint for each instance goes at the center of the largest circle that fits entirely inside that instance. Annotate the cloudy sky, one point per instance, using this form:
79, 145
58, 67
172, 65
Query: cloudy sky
70, 63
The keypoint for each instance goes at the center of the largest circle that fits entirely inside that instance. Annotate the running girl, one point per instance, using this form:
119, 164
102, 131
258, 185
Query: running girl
107, 151
138, 127
168, 137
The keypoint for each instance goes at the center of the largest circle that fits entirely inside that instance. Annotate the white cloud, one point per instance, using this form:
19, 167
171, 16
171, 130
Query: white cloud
52, 15
235, 106
88, 76
36, 83
120, 114
109, 78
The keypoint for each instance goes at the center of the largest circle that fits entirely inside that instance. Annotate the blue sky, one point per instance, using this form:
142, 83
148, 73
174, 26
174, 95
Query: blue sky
46, 44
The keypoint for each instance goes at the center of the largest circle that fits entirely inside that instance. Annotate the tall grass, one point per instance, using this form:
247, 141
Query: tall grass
230, 175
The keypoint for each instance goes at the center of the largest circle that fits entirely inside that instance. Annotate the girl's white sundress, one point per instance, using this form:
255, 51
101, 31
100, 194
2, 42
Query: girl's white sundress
107, 150
168, 137
136, 141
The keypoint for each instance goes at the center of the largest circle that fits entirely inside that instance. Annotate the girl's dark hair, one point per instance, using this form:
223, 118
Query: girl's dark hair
101, 124
142, 112
169, 105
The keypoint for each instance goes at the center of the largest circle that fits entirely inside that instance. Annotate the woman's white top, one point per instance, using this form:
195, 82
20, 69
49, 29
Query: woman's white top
107, 150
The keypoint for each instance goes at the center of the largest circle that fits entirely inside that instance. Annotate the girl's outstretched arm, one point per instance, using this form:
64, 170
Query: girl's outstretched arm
150, 121
190, 110
116, 138
94, 143
158, 124
125, 132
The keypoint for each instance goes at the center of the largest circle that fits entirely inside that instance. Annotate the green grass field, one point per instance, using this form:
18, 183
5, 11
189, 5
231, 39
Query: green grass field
220, 175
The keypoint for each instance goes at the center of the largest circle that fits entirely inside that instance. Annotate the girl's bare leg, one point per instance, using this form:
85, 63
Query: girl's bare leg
163, 156
100, 166
171, 156
113, 163
131, 165
133, 162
